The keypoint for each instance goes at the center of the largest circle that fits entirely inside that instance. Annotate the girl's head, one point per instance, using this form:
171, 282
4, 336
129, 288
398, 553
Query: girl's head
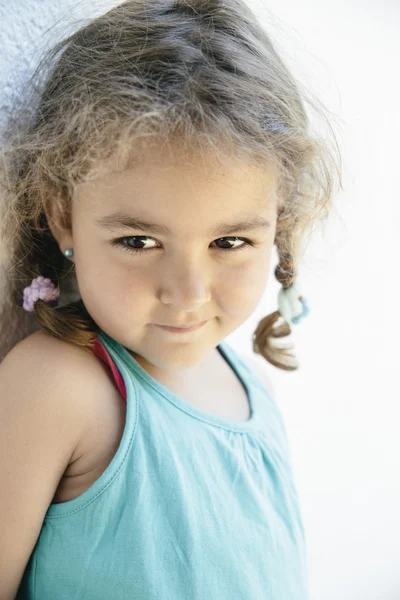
194, 268
174, 114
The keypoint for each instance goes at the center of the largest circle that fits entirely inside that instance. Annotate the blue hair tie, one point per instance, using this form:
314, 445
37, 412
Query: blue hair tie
293, 307
305, 312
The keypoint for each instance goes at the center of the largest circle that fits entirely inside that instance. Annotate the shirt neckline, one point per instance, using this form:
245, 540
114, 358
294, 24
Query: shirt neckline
230, 357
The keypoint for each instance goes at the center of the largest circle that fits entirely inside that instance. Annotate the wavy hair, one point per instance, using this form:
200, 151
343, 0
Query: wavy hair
204, 73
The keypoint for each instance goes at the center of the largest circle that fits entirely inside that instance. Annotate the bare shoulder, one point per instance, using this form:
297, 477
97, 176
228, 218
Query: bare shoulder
71, 379
260, 367
44, 355
41, 356
42, 345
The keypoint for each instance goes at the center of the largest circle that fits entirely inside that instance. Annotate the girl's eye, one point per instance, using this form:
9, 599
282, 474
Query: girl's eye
123, 243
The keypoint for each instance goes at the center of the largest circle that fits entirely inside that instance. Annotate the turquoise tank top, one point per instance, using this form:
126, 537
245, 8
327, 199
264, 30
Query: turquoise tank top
192, 506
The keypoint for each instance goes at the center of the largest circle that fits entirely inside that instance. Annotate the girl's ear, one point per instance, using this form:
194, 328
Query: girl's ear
59, 222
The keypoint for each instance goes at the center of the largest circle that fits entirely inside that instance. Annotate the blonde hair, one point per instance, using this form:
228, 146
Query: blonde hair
204, 74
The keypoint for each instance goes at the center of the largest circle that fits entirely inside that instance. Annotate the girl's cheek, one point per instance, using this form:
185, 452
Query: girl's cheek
241, 289
253, 274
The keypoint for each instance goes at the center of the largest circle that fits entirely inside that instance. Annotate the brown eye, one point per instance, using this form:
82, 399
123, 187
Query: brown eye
127, 246
228, 241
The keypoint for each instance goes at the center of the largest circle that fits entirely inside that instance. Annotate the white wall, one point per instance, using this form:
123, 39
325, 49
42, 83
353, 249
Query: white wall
28, 28
341, 406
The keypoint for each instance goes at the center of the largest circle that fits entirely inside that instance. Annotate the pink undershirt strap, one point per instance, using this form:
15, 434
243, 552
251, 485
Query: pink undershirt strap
100, 351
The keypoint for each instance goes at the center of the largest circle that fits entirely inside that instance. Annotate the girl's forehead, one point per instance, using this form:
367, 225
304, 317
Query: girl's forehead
162, 172
167, 191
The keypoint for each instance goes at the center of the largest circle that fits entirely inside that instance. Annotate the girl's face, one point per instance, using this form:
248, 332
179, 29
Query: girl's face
132, 278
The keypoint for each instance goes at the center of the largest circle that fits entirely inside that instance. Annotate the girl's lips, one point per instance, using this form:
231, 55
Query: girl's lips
182, 329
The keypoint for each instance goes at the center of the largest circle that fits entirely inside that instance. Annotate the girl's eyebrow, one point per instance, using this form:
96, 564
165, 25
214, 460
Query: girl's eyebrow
119, 220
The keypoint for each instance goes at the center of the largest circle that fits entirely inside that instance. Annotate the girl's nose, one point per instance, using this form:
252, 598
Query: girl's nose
187, 288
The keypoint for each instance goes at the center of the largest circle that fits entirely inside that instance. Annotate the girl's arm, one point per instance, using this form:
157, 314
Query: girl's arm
41, 421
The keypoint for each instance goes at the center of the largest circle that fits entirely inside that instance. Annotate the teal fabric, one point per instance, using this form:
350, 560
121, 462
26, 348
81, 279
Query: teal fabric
192, 506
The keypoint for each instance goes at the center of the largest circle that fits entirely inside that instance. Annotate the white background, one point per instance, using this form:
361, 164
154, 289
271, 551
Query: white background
341, 408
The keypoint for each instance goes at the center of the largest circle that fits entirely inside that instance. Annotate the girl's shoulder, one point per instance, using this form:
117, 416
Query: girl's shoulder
56, 357
41, 356
73, 381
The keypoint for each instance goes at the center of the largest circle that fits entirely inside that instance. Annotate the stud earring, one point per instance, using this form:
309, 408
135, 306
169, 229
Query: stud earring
69, 252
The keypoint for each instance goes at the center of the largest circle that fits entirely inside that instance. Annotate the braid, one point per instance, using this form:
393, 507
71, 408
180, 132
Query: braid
267, 339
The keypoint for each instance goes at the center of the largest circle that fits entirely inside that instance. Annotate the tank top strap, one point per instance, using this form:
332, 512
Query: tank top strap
101, 353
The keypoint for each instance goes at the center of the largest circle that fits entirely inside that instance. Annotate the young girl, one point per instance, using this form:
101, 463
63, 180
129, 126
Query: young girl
167, 151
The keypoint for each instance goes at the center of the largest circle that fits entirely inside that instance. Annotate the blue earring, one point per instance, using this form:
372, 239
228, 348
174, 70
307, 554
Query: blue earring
68, 252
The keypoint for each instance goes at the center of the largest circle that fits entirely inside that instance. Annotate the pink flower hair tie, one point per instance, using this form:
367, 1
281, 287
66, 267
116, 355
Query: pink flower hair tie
41, 288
